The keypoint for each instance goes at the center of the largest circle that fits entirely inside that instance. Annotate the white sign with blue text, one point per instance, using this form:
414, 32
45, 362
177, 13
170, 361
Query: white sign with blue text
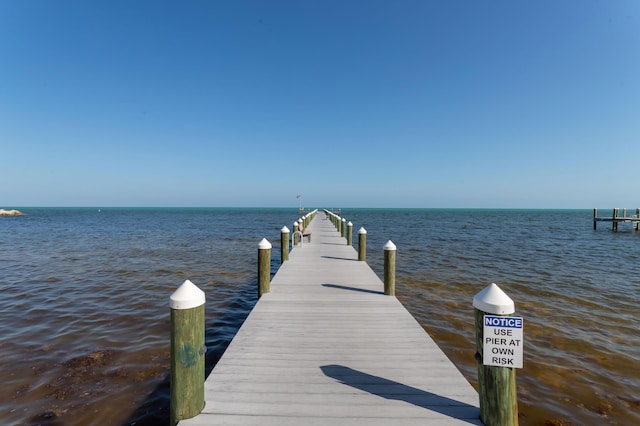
503, 341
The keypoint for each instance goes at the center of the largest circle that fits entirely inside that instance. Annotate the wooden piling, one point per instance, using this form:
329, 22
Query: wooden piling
496, 385
284, 244
296, 228
349, 234
187, 352
264, 267
616, 218
390, 269
362, 245
369, 363
343, 228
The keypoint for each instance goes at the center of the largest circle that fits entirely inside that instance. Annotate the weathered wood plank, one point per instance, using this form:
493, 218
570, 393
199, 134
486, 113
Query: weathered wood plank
250, 420
327, 347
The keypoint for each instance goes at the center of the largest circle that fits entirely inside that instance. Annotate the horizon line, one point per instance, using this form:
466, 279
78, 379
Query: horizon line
293, 207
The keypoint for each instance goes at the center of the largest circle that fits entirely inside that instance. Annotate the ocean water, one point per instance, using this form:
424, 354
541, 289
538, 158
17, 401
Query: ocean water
84, 324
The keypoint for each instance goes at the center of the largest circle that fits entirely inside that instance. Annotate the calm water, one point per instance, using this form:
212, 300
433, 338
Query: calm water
84, 328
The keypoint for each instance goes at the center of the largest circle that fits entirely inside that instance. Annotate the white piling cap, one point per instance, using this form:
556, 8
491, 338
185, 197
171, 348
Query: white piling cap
264, 244
187, 296
390, 246
295, 223
493, 300
284, 230
349, 224
362, 231
344, 220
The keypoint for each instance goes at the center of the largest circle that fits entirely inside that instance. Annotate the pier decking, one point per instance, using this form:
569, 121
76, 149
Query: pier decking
615, 218
326, 347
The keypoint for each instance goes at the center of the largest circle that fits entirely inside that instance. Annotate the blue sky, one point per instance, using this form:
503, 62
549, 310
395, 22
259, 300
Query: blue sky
350, 104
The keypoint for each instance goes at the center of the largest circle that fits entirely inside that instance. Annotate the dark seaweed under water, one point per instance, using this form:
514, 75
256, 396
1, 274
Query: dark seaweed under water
84, 329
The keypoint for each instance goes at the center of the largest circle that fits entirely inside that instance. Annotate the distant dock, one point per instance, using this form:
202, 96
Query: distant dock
615, 218
326, 346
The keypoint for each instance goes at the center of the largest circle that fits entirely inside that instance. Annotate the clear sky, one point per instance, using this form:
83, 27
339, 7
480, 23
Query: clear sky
456, 103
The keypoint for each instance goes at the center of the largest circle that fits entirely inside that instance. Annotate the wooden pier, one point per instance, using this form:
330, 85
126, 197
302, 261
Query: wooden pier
326, 347
616, 218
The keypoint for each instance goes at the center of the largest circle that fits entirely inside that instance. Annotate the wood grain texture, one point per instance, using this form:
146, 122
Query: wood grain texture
325, 346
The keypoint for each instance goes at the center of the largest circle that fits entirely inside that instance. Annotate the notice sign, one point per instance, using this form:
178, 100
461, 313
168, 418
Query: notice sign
503, 341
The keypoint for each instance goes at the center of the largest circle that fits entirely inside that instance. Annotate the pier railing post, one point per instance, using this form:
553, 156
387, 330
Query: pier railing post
638, 217
264, 267
284, 244
595, 216
349, 234
390, 269
615, 221
296, 228
362, 245
343, 228
496, 385
187, 352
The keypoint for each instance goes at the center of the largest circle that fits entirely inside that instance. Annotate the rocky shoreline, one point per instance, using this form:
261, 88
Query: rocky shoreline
4, 212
